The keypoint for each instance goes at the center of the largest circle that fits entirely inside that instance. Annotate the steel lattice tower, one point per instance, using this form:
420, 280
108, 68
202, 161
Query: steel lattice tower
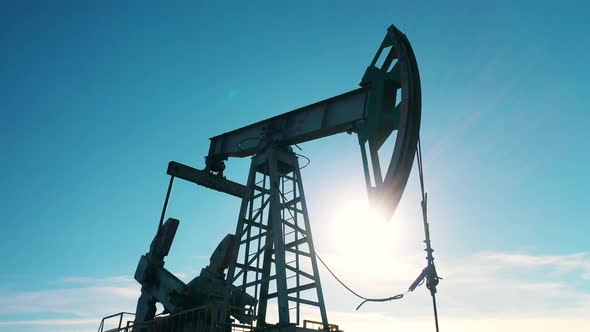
275, 255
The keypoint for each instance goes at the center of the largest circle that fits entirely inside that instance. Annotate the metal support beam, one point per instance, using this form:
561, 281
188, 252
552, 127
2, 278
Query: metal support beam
327, 117
206, 179
275, 249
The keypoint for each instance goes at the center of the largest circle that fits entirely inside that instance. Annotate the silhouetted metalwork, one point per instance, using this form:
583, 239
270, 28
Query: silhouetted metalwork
271, 258
275, 240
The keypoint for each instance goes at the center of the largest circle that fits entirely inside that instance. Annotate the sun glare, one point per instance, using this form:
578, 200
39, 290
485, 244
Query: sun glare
360, 233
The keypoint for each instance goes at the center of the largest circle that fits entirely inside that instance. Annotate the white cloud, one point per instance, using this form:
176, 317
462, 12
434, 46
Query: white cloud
78, 301
483, 292
479, 286
79, 308
388, 322
561, 264
99, 281
52, 322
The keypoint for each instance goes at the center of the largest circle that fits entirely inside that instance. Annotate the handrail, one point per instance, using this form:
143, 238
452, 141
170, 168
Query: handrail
202, 318
120, 314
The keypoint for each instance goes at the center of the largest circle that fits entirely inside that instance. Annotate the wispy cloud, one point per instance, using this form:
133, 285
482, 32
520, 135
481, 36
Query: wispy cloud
77, 301
78, 305
558, 263
99, 281
484, 292
52, 322
389, 322
480, 286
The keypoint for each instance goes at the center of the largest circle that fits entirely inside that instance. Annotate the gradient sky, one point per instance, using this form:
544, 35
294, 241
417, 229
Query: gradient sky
97, 96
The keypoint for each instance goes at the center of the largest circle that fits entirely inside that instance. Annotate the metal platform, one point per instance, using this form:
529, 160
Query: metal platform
197, 320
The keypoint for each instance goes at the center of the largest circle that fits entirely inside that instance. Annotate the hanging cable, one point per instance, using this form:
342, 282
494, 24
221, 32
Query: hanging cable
429, 272
365, 299
304, 157
427, 275
385, 299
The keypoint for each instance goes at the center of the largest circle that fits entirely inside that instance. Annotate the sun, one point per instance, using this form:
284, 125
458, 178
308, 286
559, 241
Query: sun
361, 234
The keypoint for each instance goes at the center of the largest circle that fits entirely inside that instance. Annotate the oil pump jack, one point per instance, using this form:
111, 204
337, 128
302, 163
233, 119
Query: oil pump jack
272, 271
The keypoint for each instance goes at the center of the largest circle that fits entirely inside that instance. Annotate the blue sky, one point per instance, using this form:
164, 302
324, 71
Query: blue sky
97, 97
